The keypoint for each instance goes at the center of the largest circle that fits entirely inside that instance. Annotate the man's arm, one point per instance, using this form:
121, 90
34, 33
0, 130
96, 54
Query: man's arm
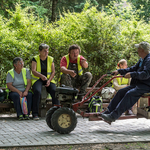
127, 75
84, 63
142, 74
25, 93
64, 70
131, 69
28, 85
53, 72
9, 82
52, 75
13, 89
28, 77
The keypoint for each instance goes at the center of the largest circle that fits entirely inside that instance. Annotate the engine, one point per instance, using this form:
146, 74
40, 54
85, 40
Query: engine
66, 93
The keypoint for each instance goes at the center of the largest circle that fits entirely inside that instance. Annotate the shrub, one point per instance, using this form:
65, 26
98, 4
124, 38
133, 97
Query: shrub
104, 38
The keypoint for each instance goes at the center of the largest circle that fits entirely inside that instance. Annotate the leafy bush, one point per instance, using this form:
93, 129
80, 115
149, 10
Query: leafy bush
104, 38
142, 7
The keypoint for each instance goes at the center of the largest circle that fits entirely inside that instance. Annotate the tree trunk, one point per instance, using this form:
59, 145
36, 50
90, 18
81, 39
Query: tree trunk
54, 6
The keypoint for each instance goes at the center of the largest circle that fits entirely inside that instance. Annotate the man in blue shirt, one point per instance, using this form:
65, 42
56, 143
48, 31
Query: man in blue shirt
140, 84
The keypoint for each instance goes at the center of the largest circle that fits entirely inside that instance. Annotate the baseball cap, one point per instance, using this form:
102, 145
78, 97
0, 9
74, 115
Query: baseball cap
143, 45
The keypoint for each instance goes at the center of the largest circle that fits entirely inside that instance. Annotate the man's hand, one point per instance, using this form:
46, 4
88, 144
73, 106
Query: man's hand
43, 78
20, 93
114, 73
24, 94
47, 83
84, 63
68, 71
72, 73
127, 75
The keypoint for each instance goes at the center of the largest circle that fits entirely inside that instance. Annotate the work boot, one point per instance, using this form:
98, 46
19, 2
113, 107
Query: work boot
108, 118
105, 112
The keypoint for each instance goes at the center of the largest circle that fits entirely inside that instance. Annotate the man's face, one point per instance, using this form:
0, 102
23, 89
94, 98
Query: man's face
140, 52
74, 54
44, 52
19, 65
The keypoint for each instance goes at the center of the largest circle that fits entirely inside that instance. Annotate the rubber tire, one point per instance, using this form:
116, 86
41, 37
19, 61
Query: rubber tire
66, 111
49, 116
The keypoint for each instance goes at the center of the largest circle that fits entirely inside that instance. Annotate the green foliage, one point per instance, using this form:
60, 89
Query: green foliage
50, 10
20, 36
142, 7
33, 5
104, 38
74, 5
7, 4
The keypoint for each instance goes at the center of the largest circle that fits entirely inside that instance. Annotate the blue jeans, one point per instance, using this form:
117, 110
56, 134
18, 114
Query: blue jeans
125, 98
15, 97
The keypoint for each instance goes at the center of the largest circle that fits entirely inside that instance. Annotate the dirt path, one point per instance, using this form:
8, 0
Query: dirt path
119, 146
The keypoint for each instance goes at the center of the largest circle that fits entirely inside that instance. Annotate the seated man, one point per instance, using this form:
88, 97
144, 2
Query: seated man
43, 72
71, 71
140, 84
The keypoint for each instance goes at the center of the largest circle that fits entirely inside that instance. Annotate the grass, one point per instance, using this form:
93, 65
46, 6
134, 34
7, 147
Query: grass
137, 145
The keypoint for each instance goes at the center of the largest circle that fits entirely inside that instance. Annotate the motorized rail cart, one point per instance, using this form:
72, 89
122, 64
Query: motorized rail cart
62, 118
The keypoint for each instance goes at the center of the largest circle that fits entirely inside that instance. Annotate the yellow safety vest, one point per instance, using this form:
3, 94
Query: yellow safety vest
80, 70
24, 72
38, 68
124, 81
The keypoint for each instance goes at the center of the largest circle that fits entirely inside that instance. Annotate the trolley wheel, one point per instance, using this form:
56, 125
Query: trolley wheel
49, 115
64, 120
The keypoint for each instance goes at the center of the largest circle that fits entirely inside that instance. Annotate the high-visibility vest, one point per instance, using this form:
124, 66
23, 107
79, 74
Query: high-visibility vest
38, 68
24, 72
80, 70
123, 81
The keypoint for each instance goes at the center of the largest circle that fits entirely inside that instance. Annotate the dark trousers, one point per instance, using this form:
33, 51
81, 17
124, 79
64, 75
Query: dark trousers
125, 99
37, 88
15, 97
81, 82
